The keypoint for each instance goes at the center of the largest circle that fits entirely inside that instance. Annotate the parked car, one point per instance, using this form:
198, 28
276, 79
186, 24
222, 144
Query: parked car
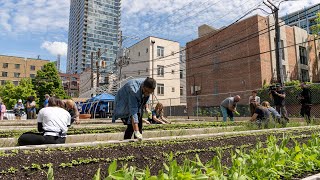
9, 115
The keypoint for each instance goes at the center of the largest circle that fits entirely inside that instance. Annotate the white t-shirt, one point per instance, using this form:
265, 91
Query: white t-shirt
256, 99
55, 120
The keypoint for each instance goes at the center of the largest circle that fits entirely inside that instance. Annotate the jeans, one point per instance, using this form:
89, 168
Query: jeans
226, 113
283, 111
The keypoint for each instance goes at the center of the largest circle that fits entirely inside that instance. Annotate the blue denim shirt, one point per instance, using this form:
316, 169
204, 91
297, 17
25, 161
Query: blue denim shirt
129, 101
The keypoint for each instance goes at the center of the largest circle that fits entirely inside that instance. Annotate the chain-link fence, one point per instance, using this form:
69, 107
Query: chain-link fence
209, 105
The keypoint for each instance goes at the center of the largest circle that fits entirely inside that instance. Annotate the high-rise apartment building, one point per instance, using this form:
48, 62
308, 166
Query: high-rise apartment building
304, 18
93, 24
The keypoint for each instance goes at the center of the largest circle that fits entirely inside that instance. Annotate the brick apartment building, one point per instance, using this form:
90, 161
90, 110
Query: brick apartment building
242, 58
14, 68
70, 83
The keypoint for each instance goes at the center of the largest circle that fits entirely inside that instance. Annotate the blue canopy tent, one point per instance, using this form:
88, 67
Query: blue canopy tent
101, 104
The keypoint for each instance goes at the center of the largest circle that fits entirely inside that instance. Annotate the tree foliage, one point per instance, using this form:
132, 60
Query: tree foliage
316, 28
47, 81
10, 93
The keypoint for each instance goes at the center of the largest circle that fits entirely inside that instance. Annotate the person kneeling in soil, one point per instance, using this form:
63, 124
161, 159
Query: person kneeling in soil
130, 102
261, 115
157, 116
272, 111
53, 123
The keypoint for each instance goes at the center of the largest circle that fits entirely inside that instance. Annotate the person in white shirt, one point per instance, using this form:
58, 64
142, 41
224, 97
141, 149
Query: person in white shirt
253, 99
53, 123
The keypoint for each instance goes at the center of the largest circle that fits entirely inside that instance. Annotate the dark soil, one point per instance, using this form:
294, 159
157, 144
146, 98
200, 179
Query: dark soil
145, 154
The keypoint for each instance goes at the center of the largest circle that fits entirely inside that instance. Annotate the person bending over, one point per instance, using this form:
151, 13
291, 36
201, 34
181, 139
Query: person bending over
130, 103
261, 116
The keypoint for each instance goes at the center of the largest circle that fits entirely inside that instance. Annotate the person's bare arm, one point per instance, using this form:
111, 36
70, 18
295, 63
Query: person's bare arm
165, 120
157, 120
254, 117
77, 114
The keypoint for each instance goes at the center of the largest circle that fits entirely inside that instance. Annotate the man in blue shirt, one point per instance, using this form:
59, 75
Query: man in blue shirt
130, 102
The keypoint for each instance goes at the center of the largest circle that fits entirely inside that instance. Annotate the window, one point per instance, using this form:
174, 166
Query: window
172, 71
173, 89
181, 74
282, 50
16, 75
16, 83
147, 50
138, 53
160, 51
17, 66
138, 72
4, 74
32, 68
147, 70
181, 91
304, 75
160, 70
160, 89
3, 82
303, 55
32, 75
5, 65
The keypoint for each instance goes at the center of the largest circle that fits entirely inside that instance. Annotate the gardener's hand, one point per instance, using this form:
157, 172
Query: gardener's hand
138, 135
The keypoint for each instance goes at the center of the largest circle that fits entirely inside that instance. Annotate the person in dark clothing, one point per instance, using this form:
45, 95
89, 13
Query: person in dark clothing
278, 95
305, 100
261, 115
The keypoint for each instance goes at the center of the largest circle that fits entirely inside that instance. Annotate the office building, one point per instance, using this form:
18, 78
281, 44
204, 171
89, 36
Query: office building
14, 68
304, 18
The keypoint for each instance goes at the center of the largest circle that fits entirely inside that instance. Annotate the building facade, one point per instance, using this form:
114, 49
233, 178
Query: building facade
304, 18
183, 75
14, 68
160, 59
93, 25
70, 83
241, 58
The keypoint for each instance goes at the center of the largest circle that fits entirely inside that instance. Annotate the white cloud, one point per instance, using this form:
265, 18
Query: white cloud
55, 48
25, 16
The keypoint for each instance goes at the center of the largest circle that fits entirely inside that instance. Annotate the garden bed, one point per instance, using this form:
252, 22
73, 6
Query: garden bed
83, 162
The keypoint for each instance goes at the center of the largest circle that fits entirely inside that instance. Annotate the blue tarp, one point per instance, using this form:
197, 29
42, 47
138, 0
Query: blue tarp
102, 97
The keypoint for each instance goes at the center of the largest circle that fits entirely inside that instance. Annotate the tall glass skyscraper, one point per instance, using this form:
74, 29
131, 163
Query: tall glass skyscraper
93, 24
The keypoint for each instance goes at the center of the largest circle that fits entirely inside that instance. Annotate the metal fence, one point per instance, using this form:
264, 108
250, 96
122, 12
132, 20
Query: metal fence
209, 105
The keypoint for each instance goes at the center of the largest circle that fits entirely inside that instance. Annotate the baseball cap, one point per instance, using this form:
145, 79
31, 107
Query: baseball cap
47, 95
20, 100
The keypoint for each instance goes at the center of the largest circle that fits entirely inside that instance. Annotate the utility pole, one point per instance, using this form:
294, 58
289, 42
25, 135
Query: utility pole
91, 70
98, 66
152, 42
279, 64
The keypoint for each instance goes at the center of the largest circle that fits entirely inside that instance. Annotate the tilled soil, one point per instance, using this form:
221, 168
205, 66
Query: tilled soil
145, 154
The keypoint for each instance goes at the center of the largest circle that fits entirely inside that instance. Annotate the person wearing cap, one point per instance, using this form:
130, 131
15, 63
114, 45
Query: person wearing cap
18, 109
45, 104
130, 102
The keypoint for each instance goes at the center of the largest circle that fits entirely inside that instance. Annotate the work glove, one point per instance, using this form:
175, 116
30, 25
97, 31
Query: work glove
138, 135
237, 113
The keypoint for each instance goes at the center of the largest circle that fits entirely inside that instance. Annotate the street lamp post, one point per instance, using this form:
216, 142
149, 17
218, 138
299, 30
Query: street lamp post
152, 42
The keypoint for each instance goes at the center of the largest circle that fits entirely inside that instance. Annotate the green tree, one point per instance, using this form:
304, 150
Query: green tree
47, 81
11, 93
316, 28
